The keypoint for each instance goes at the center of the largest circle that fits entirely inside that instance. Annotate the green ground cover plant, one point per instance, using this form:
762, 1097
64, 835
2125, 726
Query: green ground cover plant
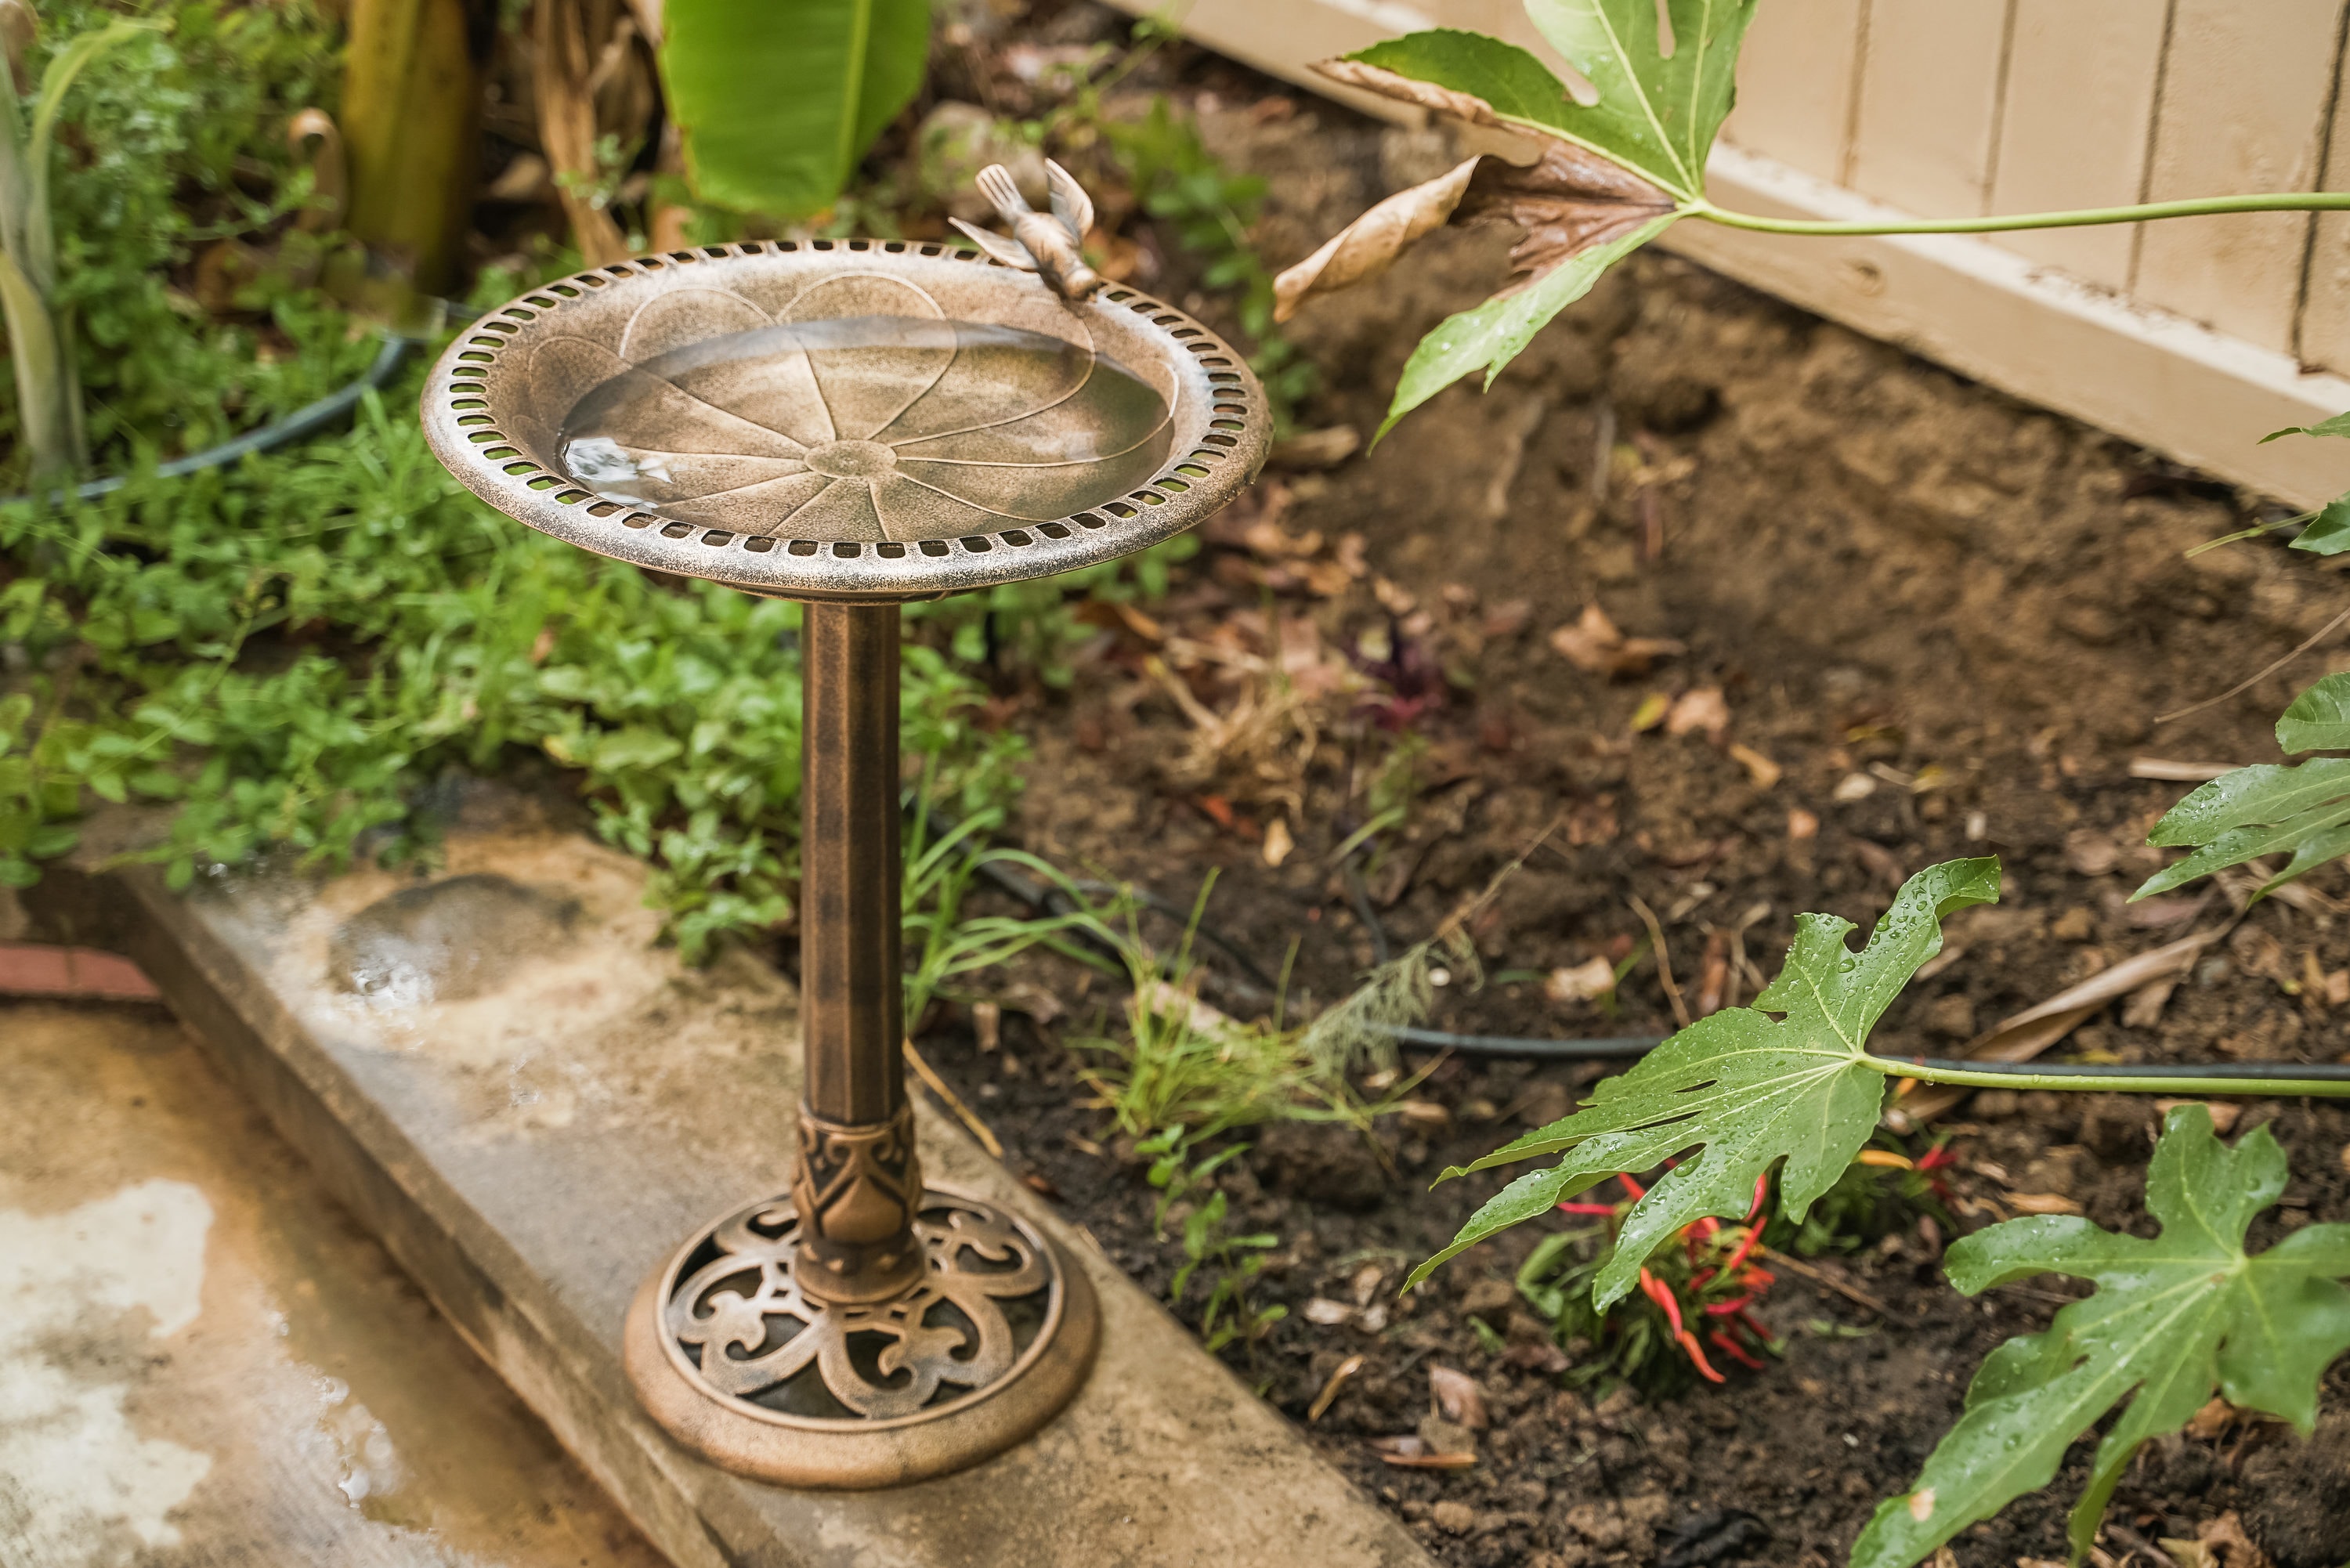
287, 653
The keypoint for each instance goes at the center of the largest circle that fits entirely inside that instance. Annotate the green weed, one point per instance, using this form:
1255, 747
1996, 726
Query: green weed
1230, 1314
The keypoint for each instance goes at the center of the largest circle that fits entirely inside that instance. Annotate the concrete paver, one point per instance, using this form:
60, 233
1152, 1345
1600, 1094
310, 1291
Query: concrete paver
204, 1361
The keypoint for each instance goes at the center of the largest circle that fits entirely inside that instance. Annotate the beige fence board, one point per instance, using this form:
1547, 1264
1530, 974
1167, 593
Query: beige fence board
2081, 77
1928, 119
2324, 327
1797, 78
2243, 100
2202, 397
2161, 380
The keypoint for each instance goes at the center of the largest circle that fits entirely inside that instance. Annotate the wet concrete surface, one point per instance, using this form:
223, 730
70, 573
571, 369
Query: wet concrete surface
204, 1361
534, 1129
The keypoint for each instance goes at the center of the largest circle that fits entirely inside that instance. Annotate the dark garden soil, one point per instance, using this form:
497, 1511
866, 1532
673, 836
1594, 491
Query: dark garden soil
1919, 620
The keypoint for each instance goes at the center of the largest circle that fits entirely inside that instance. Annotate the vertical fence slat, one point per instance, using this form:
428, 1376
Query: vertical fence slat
1929, 103
2323, 336
2081, 79
2244, 96
1795, 81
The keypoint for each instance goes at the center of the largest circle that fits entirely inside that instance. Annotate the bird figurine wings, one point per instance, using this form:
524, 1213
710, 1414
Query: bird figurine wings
1045, 244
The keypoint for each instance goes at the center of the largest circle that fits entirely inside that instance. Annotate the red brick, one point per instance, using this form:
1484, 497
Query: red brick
31, 968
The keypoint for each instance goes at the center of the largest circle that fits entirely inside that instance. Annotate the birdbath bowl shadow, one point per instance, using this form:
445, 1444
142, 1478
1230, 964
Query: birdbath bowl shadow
853, 424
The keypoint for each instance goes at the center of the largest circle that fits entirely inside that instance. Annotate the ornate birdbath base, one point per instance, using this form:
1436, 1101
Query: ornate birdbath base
853, 424
1002, 1325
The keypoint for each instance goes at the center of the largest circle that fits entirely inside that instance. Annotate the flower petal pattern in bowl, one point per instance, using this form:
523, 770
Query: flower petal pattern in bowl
848, 420
872, 428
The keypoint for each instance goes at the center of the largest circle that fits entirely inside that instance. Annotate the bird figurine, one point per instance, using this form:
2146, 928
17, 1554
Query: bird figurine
1042, 243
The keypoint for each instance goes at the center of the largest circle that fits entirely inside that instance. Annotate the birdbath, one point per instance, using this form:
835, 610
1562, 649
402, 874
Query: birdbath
853, 424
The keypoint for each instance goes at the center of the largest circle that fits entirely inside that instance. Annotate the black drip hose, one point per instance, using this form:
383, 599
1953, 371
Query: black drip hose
302, 421
1615, 1046
1619, 1047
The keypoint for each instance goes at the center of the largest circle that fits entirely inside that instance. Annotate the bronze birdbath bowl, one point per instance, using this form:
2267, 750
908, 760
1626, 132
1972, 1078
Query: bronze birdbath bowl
852, 423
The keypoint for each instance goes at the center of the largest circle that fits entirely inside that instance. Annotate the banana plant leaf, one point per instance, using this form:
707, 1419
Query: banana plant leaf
777, 103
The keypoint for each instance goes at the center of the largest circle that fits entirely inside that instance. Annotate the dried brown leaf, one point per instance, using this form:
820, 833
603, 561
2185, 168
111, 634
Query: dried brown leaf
1702, 709
2042, 1203
1427, 95
1760, 768
1567, 202
2225, 1536
1579, 982
1369, 245
1595, 644
1458, 1398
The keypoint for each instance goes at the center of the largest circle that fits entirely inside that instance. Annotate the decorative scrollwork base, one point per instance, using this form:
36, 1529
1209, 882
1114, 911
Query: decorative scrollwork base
736, 1356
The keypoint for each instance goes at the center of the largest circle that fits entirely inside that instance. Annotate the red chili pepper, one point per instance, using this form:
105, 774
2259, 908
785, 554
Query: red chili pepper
1604, 1210
1759, 1279
1723, 1309
1753, 1235
1696, 1354
1936, 1157
1657, 1293
1632, 1187
1762, 1190
1754, 1328
1736, 1351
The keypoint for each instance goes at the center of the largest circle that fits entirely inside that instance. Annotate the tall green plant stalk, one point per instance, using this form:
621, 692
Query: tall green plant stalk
412, 114
40, 334
2008, 223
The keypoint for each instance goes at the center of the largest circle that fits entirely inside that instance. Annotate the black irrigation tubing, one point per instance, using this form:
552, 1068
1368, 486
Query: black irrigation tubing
1604, 1049
305, 421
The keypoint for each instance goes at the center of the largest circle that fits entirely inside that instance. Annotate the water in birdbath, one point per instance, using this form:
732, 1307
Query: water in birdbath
869, 427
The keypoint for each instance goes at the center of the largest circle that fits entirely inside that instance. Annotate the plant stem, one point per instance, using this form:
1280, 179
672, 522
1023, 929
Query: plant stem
2109, 1083
2197, 207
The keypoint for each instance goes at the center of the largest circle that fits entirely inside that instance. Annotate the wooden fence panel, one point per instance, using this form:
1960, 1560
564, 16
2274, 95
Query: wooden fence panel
1928, 121
2079, 114
2325, 326
2244, 95
1938, 106
1797, 78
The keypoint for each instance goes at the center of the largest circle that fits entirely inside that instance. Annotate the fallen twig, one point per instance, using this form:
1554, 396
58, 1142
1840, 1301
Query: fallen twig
938, 1085
1822, 1277
1338, 1376
2168, 771
2035, 1029
1664, 960
2314, 637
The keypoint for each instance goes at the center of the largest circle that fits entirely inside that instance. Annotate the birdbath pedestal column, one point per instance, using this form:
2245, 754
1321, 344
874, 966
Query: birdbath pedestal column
853, 424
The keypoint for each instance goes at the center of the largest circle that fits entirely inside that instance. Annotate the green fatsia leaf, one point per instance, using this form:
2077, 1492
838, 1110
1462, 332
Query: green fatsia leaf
1519, 87
2301, 808
1752, 1092
1656, 113
2319, 718
2328, 533
1498, 331
2172, 1319
2339, 425
778, 104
